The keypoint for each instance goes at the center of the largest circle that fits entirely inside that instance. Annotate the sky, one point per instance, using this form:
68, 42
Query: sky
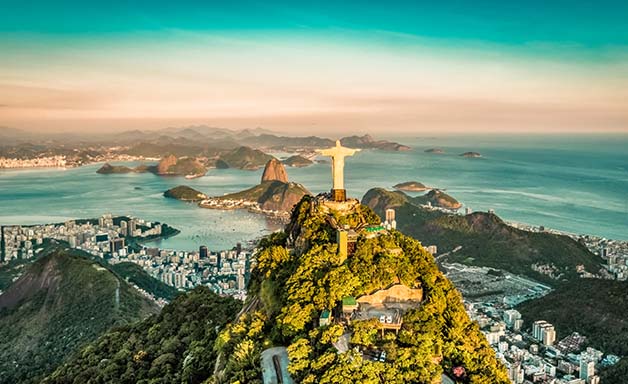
308, 67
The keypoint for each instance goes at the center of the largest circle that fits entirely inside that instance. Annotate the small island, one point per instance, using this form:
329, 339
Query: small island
108, 169
185, 193
436, 151
170, 165
471, 154
411, 186
297, 161
184, 166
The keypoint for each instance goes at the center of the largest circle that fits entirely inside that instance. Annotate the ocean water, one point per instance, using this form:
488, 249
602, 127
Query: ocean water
577, 184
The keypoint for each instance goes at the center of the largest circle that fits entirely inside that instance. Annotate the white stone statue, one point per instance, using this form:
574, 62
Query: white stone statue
338, 154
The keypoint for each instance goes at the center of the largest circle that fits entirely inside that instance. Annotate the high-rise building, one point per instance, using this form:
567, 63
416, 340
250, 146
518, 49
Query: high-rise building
511, 316
587, 368
124, 229
239, 248
241, 284
544, 332
515, 373
202, 252
115, 245
549, 336
132, 227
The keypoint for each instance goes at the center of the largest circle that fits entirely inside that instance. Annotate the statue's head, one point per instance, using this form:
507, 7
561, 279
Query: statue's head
338, 143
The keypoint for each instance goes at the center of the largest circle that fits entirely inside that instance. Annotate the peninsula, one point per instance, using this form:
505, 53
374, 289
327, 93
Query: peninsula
274, 196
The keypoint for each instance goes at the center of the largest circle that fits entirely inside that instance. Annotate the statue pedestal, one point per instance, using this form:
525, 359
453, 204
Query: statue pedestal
339, 195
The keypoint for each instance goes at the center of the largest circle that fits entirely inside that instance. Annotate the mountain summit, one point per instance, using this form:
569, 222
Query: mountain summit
274, 170
337, 298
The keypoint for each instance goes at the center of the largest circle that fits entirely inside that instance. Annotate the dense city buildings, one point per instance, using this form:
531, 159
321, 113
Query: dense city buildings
124, 239
531, 352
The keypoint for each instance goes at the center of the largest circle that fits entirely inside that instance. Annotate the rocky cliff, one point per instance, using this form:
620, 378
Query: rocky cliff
164, 165
274, 170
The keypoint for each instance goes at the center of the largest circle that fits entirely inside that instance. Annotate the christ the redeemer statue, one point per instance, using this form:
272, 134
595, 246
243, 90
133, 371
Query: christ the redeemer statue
338, 154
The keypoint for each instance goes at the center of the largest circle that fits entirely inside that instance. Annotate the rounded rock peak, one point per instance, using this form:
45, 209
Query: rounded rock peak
274, 170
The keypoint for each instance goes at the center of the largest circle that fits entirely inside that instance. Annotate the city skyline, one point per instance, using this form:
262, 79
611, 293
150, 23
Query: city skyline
406, 67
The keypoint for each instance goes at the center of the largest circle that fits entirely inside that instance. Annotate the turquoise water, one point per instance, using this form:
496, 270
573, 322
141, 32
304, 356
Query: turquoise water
577, 184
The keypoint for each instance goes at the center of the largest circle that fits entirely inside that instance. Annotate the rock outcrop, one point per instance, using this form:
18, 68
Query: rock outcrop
163, 168
274, 170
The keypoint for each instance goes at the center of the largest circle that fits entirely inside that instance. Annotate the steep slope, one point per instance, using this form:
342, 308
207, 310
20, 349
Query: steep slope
171, 165
175, 346
61, 302
300, 276
275, 192
271, 195
601, 317
274, 170
485, 239
136, 275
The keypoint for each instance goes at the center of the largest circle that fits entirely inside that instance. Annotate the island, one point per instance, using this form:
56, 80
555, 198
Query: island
190, 167
471, 154
298, 161
185, 193
437, 151
411, 186
184, 166
367, 142
108, 169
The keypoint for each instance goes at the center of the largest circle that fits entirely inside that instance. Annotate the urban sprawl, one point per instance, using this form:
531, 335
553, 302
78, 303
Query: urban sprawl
531, 352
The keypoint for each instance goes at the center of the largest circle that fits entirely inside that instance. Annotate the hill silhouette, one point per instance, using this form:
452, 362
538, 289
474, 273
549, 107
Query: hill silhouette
61, 301
300, 275
485, 239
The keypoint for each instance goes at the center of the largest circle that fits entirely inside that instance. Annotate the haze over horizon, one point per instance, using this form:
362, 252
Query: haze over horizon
403, 67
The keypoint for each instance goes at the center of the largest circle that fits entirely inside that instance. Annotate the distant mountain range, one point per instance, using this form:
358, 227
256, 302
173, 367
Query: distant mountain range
195, 141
